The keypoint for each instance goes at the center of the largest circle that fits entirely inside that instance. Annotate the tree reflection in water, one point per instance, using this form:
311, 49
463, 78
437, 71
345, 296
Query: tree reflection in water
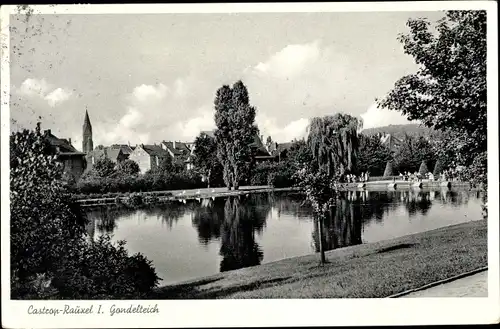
208, 218
241, 221
342, 226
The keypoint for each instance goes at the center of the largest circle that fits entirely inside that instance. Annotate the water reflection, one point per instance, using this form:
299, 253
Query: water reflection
341, 227
237, 232
238, 246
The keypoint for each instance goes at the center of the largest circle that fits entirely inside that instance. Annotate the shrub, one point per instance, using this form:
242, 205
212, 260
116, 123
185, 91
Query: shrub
423, 168
388, 169
438, 168
89, 275
50, 254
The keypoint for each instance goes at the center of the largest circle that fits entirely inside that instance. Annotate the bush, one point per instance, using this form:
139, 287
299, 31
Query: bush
438, 168
151, 181
423, 170
50, 254
89, 275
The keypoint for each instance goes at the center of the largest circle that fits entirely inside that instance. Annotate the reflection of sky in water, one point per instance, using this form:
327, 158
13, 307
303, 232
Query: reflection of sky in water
201, 238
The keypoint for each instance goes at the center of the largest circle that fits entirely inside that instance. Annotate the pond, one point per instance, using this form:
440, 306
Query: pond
203, 237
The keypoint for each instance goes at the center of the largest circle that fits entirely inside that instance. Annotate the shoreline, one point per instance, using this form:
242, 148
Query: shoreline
373, 270
202, 193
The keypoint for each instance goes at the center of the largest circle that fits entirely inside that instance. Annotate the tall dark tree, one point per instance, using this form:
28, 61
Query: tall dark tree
234, 117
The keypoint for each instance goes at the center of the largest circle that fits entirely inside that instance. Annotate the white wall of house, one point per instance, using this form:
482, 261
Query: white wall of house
142, 158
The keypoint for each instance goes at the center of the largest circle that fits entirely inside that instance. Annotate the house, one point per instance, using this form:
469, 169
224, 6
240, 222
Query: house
116, 153
279, 150
73, 161
180, 152
148, 157
177, 150
261, 152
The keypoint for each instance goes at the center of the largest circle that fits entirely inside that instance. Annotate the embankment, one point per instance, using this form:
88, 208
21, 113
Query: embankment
372, 270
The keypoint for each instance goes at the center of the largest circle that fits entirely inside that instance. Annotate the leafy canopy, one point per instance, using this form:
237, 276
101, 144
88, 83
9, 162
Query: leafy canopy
449, 89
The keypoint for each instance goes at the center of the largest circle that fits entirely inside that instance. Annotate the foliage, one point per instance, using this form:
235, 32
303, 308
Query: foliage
298, 155
205, 158
104, 167
373, 155
234, 117
128, 168
151, 181
43, 217
333, 141
423, 168
89, 275
438, 168
50, 255
276, 174
388, 169
449, 89
411, 153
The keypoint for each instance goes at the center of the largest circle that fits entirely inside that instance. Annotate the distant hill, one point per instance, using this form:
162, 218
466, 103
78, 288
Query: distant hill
399, 131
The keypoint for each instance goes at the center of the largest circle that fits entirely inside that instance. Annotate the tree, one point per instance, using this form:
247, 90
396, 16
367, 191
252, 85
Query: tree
412, 151
235, 132
449, 89
373, 155
333, 141
42, 216
104, 167
423, 168
128, 167
388, 169
50, 255
438, 168
205, 156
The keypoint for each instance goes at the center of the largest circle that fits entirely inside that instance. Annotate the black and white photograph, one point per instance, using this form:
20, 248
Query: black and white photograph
299, 161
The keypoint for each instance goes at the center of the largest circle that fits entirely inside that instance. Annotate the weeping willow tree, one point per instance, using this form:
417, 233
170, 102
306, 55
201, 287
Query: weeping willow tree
333, 142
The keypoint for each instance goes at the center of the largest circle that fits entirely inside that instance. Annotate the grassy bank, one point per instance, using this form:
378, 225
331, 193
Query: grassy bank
364, 271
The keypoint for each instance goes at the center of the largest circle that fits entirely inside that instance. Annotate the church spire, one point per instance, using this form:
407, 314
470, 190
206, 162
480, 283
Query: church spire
87, 143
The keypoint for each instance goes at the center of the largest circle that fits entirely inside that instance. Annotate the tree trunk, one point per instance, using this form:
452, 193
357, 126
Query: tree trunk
208, 177
321, 247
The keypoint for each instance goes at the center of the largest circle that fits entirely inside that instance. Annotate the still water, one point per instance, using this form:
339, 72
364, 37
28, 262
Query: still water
204, 237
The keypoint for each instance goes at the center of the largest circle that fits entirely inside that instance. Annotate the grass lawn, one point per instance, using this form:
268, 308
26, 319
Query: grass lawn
372, 270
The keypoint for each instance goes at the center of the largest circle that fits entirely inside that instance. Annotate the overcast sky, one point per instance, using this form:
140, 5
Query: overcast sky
148, 78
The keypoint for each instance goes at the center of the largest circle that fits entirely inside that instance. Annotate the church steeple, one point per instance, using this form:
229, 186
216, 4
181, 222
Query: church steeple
87, 143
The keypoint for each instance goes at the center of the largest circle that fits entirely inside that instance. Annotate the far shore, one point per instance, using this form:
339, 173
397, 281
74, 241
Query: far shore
373, 270
380, 185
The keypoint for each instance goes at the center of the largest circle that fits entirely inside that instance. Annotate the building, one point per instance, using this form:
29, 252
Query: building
116, 152
279, 150
261, 152
73, 161
179, 151
87, 143
148, 157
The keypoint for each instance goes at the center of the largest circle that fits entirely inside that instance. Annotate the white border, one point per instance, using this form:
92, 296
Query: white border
223, 313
